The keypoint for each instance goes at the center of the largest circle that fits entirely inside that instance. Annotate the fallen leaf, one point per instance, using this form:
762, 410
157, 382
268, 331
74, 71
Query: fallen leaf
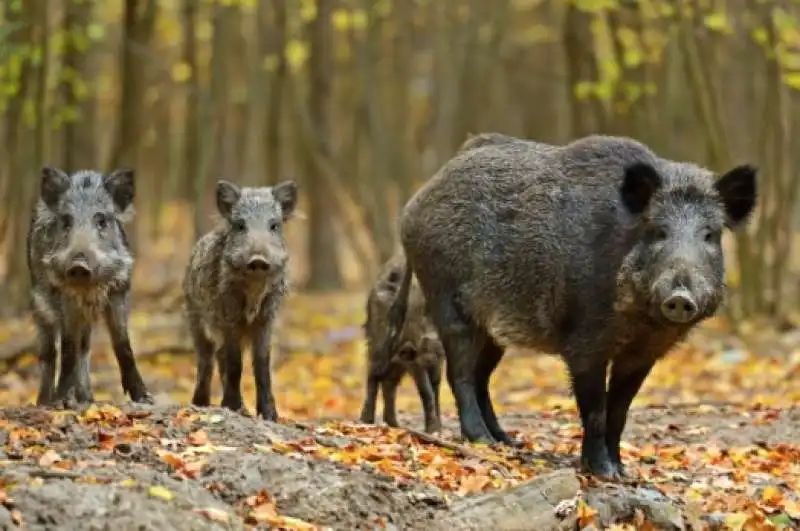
157, 491
472, 484
49, 458
198, 438
215, 515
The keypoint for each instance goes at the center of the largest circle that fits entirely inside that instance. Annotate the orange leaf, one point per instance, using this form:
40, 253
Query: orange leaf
472, 484
772, 496
586, 515
198, 438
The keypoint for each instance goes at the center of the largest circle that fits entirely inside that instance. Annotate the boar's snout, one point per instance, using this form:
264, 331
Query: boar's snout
680, 306
259, 265
78, 268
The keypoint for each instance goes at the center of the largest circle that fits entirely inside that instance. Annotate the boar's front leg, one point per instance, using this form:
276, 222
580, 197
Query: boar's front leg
48, 356
588, 373
232, 377
74, 335
265, 401
626, 380
116, 314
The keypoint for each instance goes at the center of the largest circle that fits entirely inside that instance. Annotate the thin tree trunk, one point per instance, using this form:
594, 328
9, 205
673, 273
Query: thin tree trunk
324, 270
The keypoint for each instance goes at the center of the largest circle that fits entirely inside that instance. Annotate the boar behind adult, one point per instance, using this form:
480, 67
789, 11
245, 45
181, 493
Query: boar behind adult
598, 250
81, 265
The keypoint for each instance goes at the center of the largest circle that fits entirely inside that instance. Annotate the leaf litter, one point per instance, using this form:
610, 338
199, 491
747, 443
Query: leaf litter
717, 431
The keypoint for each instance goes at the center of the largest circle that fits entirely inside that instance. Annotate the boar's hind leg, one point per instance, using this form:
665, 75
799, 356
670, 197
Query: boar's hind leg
463, 342
588, 373
626, 379
48, 355
116, 314
389, 384
368, 409
426, 396
487, 362
204, 357
435, 376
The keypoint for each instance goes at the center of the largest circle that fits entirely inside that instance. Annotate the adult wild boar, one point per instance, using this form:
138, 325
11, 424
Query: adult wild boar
598, 250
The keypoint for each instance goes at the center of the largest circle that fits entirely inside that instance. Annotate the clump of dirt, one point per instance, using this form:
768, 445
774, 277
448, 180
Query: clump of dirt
170, 468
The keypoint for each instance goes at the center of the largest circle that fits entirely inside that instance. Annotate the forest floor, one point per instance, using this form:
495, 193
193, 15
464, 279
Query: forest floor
712, 441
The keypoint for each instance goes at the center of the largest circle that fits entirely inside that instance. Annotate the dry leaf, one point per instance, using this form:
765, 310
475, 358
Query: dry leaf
215, 515
157, 491
49, 458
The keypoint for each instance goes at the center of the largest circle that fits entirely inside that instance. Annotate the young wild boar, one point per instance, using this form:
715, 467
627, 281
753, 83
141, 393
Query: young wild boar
234, 286
598, 250
418, 351
80, 266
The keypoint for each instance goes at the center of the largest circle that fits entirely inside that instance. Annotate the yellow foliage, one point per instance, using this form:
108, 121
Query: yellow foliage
181, 72
296, 54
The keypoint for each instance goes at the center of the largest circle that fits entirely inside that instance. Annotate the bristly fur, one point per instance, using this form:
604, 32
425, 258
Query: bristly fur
575, 250
65, 222
417, 351
227, 305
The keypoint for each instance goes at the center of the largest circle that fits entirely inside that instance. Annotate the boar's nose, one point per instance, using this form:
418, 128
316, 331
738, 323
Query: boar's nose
79, 268
679, 307
258, 264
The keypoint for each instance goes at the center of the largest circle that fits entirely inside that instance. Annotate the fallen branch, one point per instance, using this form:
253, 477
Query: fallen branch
531, 505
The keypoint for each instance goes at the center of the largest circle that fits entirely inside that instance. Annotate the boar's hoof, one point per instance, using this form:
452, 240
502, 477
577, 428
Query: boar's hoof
270, 414
601, 468
143, 397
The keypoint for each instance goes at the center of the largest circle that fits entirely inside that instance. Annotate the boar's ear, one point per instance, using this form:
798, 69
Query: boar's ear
54, 183
737, 189
286, 194
638, 186
121, 186
228, 194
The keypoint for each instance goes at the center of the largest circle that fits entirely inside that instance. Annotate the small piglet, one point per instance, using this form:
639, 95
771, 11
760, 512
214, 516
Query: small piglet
234, 286
80, 265
418, 350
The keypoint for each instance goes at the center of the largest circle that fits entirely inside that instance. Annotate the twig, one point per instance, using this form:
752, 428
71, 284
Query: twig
460, 449
54, 474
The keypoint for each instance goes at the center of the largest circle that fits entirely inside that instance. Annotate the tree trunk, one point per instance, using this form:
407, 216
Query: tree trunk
138, 25
77, 92
324, 269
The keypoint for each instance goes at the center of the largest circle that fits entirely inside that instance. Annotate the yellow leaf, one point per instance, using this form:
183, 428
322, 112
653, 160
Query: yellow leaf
340, 19
296, 54
792, 508
772, 495
717, 22
792, 79
181, 72
157, 491
128, 483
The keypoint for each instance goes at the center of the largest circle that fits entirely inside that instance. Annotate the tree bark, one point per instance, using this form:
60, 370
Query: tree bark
324, 269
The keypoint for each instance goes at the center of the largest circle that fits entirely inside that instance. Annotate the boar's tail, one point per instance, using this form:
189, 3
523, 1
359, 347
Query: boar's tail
396, 318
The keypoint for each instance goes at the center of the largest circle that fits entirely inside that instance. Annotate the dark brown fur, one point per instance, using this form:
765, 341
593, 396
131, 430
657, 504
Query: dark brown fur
580, 250
418, 350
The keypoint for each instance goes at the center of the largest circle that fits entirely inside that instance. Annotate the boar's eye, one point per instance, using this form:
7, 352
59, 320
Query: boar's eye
100, 221
711, 235
658, 234
238, 225
274, 226
66, 221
